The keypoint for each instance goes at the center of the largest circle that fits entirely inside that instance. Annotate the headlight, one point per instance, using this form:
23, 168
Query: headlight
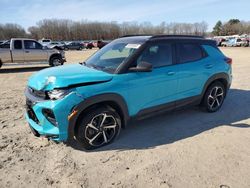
58, 93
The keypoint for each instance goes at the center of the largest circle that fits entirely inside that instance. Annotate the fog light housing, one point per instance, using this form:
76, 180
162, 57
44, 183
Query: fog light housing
50, 116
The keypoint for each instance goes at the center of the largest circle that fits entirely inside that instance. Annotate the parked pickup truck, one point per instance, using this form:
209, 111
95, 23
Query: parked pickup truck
20, 50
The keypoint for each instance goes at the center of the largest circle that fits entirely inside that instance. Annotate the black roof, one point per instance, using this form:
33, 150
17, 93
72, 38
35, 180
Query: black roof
187, 38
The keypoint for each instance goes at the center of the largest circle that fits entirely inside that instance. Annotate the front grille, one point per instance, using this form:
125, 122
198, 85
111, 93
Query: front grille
30, 111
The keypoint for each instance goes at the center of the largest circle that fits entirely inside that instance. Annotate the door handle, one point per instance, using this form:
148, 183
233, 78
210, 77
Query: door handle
27, 51
209, 66
170, 73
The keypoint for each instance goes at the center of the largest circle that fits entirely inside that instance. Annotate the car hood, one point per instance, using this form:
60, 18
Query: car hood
65, 76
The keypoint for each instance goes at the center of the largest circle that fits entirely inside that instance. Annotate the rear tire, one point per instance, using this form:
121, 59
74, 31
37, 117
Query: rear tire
214, 97
98, 127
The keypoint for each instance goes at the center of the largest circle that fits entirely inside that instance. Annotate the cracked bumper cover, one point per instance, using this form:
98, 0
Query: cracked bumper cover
61, 109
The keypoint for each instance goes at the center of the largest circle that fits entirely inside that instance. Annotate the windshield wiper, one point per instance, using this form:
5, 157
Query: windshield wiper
97, 67
92, 66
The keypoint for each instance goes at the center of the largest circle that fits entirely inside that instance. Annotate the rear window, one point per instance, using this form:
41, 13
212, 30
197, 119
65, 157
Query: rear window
18, 44
190, 52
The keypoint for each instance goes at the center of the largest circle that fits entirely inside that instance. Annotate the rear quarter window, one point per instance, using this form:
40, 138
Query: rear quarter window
213, 51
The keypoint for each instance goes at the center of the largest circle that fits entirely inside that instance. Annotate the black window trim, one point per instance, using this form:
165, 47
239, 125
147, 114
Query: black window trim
204, 53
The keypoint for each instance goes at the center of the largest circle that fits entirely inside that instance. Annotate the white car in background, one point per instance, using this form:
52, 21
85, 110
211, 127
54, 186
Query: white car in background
55, 44
45, 42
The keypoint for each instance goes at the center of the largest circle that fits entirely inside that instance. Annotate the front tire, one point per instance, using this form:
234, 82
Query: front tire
98, 127
214, 97
56, 61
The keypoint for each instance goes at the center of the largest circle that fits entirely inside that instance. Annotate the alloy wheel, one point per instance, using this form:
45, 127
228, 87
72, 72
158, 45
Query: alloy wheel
215, 98
101, 129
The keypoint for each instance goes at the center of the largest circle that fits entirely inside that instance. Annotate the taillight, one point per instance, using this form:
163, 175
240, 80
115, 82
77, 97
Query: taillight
229, 60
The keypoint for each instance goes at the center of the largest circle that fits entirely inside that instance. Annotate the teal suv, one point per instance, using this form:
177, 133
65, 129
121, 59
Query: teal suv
131, 77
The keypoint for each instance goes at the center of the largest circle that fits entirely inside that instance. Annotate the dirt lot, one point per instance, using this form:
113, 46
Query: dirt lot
188, 148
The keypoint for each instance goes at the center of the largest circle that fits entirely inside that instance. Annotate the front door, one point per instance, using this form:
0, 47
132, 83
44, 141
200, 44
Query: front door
156, 88
33, 52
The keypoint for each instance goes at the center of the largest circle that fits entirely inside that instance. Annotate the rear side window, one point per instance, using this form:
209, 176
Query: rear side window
18, 44
190, 52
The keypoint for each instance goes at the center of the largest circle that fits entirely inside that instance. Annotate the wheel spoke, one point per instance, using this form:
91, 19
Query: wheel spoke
220, 94
212, 104
103, 119
216, 89
104, 137
210, 96
93, 139
217, 101
92, 126
110, 126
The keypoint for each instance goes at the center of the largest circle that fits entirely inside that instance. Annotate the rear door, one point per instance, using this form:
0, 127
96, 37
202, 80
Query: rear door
17, 51
34, 52
193, 69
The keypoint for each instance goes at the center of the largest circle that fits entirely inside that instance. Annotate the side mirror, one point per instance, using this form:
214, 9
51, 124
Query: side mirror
142, 67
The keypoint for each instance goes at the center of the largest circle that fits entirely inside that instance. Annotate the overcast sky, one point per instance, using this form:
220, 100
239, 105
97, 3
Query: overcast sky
29, 12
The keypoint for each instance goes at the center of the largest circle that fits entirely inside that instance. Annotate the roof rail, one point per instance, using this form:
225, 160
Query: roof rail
184, 36
135, 35
164, 36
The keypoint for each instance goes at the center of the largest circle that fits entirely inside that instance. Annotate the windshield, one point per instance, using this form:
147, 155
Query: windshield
111, 56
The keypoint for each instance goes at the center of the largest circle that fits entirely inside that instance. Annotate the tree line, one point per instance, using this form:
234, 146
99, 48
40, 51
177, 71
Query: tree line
63, 29
232, 27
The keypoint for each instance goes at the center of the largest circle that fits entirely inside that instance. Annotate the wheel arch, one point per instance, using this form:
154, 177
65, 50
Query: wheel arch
112, 100
55, 55
221, 77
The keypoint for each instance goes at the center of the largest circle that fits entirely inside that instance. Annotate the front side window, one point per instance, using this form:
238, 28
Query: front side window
158, 55
18, 44
111, 56
190, 52
29, 44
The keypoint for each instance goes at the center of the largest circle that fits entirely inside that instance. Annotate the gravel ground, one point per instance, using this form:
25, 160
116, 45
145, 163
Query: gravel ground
188, 148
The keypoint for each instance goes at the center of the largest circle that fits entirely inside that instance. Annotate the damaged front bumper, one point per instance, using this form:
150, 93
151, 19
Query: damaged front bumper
49, 118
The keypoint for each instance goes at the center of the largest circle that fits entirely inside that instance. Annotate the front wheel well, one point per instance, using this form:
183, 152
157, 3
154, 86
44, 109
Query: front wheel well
108, 104
55, 55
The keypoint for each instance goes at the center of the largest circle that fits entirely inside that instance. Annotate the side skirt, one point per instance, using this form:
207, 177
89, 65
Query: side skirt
172, 106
